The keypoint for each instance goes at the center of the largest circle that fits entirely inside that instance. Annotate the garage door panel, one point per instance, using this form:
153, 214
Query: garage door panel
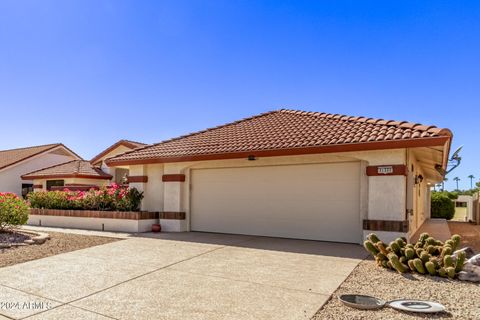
318, 201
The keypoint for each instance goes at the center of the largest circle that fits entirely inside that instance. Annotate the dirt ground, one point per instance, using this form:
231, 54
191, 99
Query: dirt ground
58, 243
470, 233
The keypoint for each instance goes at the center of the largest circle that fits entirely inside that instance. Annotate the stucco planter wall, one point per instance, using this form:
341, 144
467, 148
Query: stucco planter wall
94, 220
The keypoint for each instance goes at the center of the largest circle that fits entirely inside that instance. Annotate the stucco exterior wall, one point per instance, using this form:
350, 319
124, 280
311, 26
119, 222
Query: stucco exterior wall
418, 194
153, 190
380, 194
10, 178
465, 213
119, 225
119, 150
95, 182
476, 208
382, 197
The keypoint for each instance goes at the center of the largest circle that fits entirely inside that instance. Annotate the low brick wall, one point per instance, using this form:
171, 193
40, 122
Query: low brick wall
129, 215
131, 222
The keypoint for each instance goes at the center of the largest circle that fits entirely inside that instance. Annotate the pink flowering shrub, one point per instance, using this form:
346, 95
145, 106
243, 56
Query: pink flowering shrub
111, 198
13, 211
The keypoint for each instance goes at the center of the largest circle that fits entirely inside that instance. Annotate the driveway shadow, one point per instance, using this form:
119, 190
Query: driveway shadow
311, 247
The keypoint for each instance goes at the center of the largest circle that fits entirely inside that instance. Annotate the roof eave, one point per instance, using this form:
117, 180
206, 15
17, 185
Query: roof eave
365, 146
446, 152
117, 144
63, 176
74, 154
53, 147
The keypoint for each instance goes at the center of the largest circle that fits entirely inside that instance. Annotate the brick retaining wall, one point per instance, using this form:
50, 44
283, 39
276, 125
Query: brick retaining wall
125, 215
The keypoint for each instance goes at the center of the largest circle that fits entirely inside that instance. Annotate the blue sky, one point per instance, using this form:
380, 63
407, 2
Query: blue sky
87, 73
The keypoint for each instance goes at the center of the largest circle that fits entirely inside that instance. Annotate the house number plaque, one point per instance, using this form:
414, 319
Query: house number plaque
385, 170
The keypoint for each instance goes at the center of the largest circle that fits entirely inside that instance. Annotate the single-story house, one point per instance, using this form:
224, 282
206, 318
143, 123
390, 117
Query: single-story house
463, 208
16, 162
82, 174
119, 174
293, 174
75, 175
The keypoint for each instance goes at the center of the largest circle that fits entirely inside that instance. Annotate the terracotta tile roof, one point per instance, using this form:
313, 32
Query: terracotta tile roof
71, 169
13, 156
297, 131
127, 143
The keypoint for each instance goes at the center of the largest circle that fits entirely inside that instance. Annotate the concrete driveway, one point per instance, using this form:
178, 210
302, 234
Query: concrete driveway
180, 276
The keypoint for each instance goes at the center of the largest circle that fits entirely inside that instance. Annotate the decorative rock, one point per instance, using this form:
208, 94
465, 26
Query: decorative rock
5, 245
470, 272
475, 260
40, 239
468, 252
29, 241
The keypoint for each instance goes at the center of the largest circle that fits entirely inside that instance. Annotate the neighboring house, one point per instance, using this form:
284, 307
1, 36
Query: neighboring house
293, 174
16, 162
122, 146
463, 208
75, 175
82, 174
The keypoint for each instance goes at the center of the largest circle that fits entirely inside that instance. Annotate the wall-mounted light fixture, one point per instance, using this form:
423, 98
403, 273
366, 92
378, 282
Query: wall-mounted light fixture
418, 179
251, 158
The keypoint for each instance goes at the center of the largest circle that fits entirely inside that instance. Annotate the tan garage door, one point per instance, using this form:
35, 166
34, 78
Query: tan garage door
314, 201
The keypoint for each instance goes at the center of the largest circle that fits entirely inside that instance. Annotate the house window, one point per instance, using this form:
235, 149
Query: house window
460, 204
55, 183
26, 189
121, 176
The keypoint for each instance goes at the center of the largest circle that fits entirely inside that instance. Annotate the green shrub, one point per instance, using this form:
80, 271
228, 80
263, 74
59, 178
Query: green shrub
442, 206
50, 199
13, 211
111, 198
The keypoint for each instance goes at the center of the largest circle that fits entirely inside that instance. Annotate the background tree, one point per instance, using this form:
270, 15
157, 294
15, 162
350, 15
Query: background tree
471, 177
443, 183
456, 179
442, 205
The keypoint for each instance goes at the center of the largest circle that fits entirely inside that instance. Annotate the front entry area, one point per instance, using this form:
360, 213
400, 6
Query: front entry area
305, 201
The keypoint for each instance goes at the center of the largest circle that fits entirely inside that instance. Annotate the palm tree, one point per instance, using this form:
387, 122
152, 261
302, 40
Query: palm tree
471, 177
443, 183
456, 179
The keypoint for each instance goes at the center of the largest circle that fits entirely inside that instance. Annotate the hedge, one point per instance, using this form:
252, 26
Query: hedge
442, 206
111, 198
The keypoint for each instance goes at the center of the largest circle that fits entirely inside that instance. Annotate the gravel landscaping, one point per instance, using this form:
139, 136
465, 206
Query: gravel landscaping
462, 299
58, 243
